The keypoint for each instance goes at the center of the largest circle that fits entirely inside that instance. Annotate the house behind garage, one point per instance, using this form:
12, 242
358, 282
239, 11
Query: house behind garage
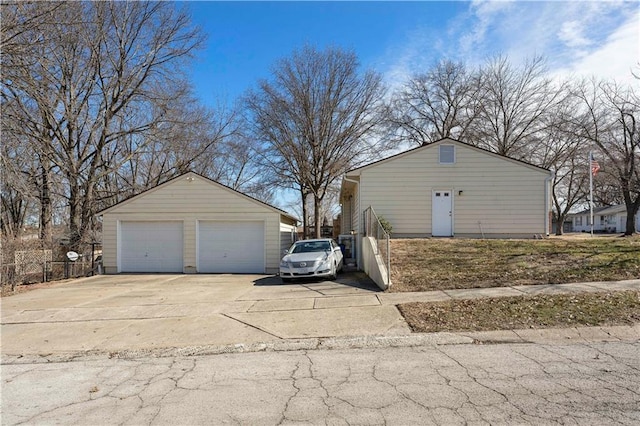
192, 224
449, 188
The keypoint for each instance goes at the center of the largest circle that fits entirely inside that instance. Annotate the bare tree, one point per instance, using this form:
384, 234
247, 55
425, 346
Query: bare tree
318, 117
105, 71
511, 104
611, 122
16, 187
23, 23
437, 104
559, 148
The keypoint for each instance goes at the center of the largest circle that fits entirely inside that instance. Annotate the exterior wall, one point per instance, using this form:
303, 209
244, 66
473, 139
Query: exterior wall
492, 196
603, 222
356, 220
581, 223
287, 237
373, 264
345, 216
351, 214
188, 199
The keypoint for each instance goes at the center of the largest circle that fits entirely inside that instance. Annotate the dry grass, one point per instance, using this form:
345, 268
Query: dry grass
542, 311
439, 264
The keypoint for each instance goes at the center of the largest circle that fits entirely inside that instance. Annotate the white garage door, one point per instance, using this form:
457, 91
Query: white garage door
231, 247
151, 246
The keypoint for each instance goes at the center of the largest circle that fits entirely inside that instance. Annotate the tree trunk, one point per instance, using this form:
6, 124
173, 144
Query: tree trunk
560, 224
305, 223
75, 215
45, 206
316, 215
632, 210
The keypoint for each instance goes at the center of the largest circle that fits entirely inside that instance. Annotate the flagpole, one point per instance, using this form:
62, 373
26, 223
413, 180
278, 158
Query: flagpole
591, 191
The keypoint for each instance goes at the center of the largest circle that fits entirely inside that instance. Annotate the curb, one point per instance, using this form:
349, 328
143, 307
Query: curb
583, 335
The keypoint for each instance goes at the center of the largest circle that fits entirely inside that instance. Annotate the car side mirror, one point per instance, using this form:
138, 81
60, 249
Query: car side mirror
285, 252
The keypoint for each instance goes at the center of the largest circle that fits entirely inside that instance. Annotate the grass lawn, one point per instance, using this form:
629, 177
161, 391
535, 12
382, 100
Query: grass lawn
440, 264
541, 311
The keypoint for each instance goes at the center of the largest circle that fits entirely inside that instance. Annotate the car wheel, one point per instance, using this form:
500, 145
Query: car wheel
334, 273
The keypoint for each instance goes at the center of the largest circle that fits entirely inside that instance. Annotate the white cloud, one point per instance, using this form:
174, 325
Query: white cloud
613, 59
485, 14
572, 34
586, 37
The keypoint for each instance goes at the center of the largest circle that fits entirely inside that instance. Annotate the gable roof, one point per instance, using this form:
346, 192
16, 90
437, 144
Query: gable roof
449, 141
206, 179
604, 210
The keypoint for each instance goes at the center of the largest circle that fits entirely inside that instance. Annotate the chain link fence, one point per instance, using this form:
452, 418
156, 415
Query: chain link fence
31, 261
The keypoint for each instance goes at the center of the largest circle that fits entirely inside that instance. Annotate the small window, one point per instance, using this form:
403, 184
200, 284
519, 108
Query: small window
447, 154
437, 194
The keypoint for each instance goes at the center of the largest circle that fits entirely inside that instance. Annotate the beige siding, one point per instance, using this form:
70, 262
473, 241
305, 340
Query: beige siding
356, 214
345, 216
191, 198
287, 237
501, 196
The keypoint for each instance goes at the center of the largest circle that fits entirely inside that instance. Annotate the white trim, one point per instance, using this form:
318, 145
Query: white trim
197, 245
139, 221
440, 155
547, 202
118, 247
247, 220
451, 215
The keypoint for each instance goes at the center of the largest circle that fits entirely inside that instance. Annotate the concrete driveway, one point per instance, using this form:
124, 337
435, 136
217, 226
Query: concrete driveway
137, 312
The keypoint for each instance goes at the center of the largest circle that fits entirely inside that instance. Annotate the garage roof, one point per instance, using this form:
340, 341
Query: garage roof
211, 181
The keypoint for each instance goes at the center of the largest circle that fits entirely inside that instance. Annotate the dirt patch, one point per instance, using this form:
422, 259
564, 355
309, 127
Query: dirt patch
23, 288
522, 312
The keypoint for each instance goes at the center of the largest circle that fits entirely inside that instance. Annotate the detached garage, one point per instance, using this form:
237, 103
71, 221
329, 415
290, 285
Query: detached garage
192, 224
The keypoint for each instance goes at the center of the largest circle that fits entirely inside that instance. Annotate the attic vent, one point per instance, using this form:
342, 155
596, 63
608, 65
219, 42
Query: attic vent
447, 154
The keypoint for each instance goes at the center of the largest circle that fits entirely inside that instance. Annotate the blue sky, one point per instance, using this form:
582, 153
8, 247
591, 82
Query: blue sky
397, 39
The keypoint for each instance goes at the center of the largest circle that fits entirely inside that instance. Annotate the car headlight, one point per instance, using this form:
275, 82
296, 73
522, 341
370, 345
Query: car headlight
284, 264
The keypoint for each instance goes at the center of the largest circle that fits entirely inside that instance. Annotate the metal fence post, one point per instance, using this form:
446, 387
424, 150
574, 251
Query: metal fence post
388, 260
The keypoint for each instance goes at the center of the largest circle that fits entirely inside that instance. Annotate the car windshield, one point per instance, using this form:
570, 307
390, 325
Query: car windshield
309, 247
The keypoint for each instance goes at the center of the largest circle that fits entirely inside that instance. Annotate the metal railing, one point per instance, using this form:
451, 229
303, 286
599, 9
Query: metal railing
373, 228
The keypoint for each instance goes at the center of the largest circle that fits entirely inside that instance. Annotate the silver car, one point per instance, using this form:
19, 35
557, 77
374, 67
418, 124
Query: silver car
311, 258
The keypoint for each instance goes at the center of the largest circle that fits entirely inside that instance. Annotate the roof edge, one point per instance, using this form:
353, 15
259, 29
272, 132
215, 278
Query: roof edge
449, 140
250, 198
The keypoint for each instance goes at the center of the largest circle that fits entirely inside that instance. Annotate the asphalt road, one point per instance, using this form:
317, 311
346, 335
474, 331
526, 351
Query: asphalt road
577, 383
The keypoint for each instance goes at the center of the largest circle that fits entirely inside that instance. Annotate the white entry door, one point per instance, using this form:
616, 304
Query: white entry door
442, 213
231, 247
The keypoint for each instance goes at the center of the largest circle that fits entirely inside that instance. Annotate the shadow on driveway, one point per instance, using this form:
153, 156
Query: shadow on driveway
354, 279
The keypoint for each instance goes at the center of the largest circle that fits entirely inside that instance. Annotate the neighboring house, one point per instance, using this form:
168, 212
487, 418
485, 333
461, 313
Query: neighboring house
449, 188
612, 219
192, 224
